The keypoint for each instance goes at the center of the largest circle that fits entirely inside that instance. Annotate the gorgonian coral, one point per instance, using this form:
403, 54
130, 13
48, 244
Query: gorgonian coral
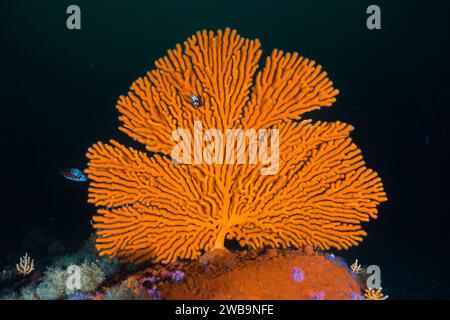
151, 208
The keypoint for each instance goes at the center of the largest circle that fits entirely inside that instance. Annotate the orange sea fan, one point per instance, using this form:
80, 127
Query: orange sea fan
151, 208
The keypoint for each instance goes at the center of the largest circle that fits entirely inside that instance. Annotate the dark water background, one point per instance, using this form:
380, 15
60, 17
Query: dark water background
59, 88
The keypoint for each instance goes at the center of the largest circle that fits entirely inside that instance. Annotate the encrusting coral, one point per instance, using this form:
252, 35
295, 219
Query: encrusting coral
151, 208
271, 274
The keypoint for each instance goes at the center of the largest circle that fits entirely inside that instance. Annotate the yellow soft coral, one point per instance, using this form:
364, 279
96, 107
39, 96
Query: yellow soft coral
374, 294
151, 208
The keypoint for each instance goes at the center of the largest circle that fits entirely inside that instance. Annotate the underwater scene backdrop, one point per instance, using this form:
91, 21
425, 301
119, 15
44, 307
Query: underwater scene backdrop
61, 87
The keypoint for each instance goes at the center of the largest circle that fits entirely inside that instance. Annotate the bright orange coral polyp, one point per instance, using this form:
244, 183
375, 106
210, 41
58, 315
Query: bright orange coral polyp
151, 209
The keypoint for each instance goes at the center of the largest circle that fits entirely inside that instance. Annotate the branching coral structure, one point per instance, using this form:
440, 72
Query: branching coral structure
152, 208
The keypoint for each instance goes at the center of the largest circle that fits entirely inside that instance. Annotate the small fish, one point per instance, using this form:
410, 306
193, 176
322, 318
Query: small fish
74, 174
196, 102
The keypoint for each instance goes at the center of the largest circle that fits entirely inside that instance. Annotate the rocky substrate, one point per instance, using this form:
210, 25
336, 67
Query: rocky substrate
270, 274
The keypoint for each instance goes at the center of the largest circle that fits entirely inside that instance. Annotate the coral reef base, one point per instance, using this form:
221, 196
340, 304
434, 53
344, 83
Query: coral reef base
273, 274
217, 275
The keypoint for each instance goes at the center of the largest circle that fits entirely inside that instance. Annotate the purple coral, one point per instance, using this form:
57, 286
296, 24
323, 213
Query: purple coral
178, 276
154, 293
298, 274
318, 296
